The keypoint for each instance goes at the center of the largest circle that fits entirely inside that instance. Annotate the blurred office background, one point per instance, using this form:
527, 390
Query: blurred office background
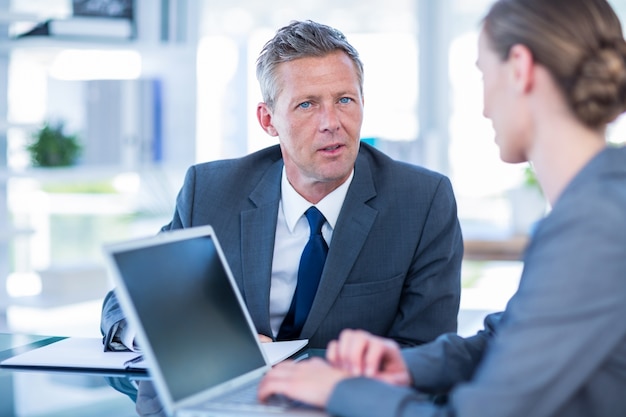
176, 86
180, 88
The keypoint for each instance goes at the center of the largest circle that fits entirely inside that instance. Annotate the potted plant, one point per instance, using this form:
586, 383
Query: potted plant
51, 147
530, 179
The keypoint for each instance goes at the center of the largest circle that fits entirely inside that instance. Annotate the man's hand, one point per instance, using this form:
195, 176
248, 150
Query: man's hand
362, 354
309, 381
264, 339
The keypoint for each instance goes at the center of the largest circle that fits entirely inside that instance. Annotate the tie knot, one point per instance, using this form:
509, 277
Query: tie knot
316, 220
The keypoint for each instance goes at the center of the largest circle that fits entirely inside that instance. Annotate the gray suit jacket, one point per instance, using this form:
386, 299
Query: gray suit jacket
393, 265
559, 349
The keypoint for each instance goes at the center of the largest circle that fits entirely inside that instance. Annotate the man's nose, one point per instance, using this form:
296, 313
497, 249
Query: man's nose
329, 119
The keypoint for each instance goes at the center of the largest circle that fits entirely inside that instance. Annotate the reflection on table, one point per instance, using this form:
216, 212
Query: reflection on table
30, 393
66, 393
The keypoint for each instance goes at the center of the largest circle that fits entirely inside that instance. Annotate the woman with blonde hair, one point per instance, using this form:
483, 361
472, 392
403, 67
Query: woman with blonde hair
554, 76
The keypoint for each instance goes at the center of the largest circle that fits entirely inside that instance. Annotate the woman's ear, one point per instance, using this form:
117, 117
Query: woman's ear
522, 67
264, 116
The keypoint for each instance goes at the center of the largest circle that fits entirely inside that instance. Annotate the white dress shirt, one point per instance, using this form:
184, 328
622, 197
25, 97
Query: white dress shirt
292, 234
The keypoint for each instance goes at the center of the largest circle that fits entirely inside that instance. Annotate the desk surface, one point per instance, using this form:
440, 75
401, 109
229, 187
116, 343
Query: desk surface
50, 393
27, 393
14, 344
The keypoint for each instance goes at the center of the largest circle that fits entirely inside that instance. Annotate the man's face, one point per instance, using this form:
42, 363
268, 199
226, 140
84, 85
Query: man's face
317, 116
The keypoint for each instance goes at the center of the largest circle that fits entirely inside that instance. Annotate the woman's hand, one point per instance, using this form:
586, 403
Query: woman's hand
309, 381
362, 354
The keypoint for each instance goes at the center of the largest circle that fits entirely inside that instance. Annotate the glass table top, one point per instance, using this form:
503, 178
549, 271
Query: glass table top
37, 393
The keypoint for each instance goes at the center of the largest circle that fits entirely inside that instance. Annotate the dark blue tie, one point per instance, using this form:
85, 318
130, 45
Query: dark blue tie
309, 273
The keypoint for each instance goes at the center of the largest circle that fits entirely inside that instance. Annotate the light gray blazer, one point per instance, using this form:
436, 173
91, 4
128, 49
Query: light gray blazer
559, 349
393, 265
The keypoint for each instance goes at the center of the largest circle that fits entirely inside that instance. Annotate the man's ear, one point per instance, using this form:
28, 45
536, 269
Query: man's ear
522, 67
264, 116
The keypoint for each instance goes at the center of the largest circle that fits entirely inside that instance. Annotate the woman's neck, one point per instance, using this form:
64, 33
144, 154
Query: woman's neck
559, 153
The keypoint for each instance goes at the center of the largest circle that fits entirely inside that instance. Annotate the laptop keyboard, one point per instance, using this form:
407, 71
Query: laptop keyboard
246, 399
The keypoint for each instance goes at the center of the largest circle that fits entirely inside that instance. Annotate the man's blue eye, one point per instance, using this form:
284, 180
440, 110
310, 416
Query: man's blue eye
345, 100
305, 105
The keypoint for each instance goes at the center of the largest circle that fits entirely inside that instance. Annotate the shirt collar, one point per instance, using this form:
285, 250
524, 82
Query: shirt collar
294, 205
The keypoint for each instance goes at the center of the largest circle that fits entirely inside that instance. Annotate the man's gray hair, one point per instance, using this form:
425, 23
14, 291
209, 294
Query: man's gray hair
300, 39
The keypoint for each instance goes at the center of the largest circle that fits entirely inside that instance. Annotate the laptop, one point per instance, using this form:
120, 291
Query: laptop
193, 327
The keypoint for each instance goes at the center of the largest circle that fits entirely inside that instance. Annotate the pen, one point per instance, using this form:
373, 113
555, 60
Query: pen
133, 360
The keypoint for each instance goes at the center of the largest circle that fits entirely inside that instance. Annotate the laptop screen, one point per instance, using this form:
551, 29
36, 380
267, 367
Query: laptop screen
190, 313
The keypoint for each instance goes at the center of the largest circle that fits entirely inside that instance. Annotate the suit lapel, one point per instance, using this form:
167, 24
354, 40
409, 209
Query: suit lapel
351, 231
258, 228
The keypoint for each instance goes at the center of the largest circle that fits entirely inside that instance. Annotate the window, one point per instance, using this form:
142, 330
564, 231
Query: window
234, 34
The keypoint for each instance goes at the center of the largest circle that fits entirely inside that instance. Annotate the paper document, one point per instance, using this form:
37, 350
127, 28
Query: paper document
87, 353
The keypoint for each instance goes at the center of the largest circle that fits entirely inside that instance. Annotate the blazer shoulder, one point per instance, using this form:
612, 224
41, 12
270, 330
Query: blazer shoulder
238, 168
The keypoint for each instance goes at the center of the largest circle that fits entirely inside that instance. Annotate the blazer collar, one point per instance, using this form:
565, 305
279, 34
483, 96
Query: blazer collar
258, 227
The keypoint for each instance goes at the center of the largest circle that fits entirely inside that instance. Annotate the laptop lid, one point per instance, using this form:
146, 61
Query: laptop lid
196, 334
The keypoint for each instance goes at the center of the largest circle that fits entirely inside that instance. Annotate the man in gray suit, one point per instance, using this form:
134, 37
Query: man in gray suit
393, 237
